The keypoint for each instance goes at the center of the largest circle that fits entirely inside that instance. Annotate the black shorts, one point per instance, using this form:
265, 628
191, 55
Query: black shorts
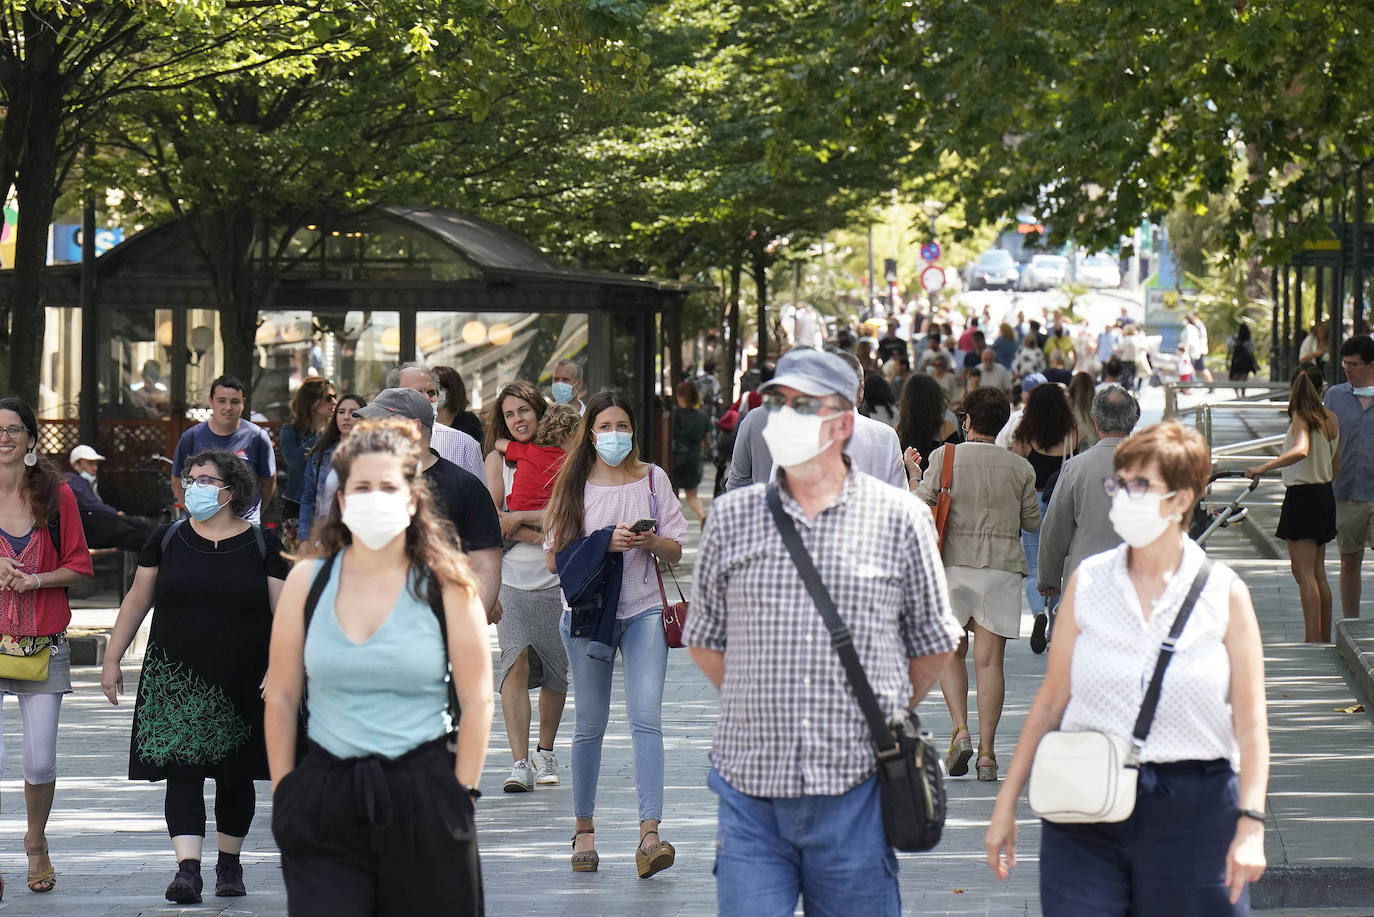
1308, 514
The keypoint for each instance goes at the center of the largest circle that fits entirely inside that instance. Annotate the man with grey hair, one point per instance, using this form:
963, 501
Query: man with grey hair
453, 445
567, 384
873, 447
1076, 523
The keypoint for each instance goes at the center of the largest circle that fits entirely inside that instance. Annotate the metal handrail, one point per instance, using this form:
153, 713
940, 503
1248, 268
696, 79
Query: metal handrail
1171, 390
1234, 448
1203, 413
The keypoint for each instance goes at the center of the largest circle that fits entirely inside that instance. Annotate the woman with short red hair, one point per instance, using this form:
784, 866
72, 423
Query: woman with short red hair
1196, 835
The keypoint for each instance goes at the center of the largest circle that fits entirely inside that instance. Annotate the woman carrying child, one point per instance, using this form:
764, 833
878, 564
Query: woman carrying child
529, 599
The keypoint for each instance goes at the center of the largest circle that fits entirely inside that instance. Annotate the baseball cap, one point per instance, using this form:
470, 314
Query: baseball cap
399, 402
1032, 381
84, 451
815, 372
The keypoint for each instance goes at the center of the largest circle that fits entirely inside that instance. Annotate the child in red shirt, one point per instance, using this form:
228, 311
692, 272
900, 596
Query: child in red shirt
537, 462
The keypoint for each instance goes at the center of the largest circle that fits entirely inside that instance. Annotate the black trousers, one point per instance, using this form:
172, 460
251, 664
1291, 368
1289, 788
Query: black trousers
184, 806
105, 530
391, 837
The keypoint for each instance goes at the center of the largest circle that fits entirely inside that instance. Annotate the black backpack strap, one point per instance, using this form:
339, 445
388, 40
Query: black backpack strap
167, 536
436, 605
840, 638
312, 598
1166, 655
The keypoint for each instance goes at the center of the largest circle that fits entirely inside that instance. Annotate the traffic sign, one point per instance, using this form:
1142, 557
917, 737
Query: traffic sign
930, 251
933, 279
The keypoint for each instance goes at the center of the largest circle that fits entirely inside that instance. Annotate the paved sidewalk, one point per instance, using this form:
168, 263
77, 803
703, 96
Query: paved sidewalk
109, 843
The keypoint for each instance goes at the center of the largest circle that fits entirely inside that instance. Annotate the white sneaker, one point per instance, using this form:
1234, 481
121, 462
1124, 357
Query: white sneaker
521, 779
545, 768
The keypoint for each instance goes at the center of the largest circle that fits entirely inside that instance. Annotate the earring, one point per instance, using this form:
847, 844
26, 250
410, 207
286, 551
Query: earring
30, 458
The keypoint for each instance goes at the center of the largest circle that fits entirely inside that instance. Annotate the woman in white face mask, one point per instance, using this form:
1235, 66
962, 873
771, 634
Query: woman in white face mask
1196, 836
383, 793
604, 485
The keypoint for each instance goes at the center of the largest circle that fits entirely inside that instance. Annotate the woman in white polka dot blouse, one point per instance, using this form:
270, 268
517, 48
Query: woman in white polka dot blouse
1196, 837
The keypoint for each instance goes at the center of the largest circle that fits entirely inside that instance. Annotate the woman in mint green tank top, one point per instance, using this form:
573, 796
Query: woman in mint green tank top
381, 792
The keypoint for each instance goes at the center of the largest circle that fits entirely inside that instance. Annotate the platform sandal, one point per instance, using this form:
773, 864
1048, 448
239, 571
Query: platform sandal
960, 750
584, 860
987, 773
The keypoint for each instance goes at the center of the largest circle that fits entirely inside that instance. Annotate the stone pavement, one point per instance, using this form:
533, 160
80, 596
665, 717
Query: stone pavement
110, 847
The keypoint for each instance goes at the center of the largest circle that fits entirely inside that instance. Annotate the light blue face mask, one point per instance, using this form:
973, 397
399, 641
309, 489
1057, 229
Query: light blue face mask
1364, 391
202, 501
613, 446
562, 392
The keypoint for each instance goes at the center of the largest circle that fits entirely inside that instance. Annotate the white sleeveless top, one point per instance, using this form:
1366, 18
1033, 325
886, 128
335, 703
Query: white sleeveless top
524, 566
1116, 650
1316, 467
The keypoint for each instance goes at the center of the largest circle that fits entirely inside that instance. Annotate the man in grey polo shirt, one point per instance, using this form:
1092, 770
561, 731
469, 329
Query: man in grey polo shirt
1351, 401
792, 760
1076, 523
873, 447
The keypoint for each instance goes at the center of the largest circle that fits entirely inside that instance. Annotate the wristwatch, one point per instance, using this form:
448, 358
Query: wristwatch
472, 791
1253, 813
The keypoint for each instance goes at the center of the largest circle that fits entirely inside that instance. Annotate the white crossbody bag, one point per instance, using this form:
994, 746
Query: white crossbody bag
1090, 776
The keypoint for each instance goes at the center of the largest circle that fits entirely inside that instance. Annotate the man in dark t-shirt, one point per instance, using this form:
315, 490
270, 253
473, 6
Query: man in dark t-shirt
461, 496
226, 429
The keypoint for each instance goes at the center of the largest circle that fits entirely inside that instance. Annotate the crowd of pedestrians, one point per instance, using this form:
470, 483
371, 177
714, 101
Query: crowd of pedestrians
419, 523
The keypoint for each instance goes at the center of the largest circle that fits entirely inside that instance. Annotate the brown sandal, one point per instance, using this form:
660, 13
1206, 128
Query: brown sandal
960, 750
656, 858
584, 860
987, 773
44, 880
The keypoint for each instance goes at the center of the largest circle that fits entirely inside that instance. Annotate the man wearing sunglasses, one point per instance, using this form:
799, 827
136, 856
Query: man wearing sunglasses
1352, 402
873, 446
798, 810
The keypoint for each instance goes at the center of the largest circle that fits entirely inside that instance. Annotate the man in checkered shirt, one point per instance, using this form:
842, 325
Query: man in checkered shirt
792, 759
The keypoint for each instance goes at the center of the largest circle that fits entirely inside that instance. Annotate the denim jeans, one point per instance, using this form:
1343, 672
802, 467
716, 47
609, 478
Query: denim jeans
1030, 543
641, 644
829, 849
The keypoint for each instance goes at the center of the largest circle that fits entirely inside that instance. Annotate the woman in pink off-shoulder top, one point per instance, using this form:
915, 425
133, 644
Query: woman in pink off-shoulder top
602, 484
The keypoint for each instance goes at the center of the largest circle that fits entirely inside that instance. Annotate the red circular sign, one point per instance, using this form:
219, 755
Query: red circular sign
933, 279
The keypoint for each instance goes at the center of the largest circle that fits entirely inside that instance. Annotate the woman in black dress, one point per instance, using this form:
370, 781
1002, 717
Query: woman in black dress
691, 427
214, 579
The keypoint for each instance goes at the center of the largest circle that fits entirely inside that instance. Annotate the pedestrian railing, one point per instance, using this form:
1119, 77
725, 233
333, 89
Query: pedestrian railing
1262, 390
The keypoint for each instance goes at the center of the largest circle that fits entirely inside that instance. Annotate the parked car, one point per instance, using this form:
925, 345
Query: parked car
1044, 272
994, 269
1099, 270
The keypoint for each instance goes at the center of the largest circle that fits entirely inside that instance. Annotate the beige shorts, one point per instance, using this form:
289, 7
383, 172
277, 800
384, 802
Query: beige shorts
1354, 526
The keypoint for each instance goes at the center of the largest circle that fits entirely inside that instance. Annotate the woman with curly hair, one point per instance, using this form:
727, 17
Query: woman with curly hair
312, 408
43, 551
377, 815
214, 581
923, 422
1045, 437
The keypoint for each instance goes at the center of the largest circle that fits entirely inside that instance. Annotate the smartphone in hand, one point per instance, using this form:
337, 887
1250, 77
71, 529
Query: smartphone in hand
644, 525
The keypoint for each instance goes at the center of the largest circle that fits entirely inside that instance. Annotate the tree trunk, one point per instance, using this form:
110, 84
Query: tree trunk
761, 291
733, 350
226, 243
36, 193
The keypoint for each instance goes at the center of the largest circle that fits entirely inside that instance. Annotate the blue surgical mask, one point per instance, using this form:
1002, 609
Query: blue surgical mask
202, 501
562, 392
613, 446
1364, 391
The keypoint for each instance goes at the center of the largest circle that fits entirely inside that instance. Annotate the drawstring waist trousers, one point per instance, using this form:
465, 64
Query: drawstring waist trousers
378, 836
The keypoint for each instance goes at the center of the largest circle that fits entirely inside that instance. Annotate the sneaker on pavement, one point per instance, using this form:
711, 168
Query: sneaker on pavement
1037, 637
521, 779
186, 886
545, 768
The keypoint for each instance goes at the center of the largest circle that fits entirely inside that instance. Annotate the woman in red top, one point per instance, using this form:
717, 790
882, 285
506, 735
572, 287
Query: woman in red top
34, 574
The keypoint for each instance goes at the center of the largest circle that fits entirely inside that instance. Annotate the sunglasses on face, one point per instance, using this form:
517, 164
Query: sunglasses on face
805, 405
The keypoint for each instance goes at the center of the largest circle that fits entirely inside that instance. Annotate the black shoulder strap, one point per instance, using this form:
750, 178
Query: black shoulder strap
840, 637
312, 598
436, 605
167, 535
1166, 654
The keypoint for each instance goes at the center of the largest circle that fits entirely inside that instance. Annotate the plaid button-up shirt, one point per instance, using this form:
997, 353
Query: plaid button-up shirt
789, 725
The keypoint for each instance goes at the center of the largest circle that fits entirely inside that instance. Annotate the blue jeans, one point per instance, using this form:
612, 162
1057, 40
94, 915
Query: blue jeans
1167, 860
829, 849
641, 643
1030, 543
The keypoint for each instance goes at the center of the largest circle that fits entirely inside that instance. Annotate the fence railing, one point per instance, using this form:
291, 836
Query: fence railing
1262, 389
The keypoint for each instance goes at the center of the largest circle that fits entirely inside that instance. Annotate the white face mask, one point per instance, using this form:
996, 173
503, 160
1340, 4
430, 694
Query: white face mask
90, 478
1138, 521
376, 517
793, 438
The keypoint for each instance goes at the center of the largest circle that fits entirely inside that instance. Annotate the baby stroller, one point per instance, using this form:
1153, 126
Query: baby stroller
1207, 518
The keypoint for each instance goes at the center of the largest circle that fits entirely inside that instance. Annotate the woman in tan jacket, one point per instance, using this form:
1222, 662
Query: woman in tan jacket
992, 500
